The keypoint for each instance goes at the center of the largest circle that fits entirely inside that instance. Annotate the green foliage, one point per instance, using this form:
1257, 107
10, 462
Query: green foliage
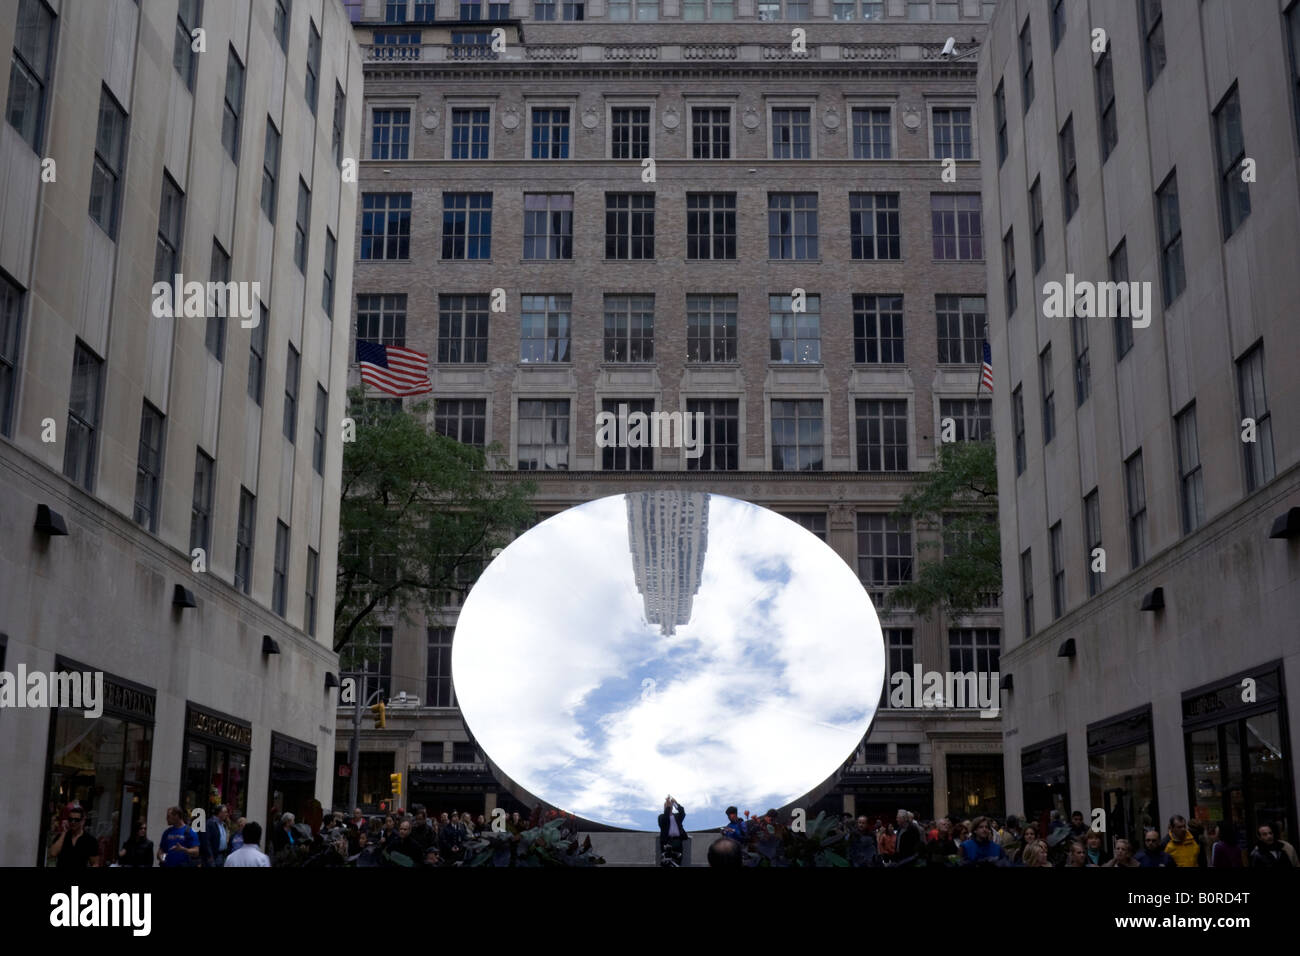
959, 496
551, 844
419, 517
772, 843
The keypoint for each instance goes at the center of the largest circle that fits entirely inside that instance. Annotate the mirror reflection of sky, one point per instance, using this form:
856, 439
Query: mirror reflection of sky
602, 664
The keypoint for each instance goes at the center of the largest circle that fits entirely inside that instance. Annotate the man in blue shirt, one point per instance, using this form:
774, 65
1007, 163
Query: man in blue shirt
981, 848
1154, 854
179, 845
735, 827
216, 838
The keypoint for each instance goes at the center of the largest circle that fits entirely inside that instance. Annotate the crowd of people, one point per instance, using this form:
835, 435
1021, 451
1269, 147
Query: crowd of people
984, 841
416, 838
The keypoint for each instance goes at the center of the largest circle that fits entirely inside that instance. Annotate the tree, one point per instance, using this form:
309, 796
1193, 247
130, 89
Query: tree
959, 496
419, 516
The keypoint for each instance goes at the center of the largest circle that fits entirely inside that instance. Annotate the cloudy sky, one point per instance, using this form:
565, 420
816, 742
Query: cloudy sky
756, 700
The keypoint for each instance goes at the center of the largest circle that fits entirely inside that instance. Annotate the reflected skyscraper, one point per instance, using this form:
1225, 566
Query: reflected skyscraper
668, 534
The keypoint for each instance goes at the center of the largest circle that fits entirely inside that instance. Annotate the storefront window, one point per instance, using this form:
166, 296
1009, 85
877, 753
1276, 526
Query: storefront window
101, 764
974, 785
1046, 782
1237, 756
1121, 779
293, 777
216, 763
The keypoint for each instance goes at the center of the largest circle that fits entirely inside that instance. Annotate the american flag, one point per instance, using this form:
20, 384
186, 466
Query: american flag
394, 370
986, 370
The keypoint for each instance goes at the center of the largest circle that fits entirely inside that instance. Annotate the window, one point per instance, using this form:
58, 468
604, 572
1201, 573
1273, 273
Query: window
465, 44
281, 25
972, 418
1082, 366
327, 283
544, 328
395, 11
244, 541
170, 215
1026, 67
1018, 424
471, 131
909, 754
1234, 194
473, 10
309, 593
215, 335
1171, 239
270, 169
257, 357
82, 434
462, 329
974, 650
462, 419
956, 224
291, 373
711, 328
623, 9
710, 225
311, 86
318, 431
201, 506
882, 434
872, 130
29, 71
390, 133
952, 133
629, 132
796, 336
720, 440
1136, 493
877, 329
873, 222
1036, 220
184, 56
1058, 22
438, 688
381, 319
543, 435
234, 105
797, 443
1069, 169
918, 9
106, 171
11, 313
466, 225
1027, 590
900, 657
876, 753
1153, 30
813, 521
962, 328
1123, 324
1254, 404
621, 458
1009, 270
884, 554
148, 468
1191, 487
548, 225
550, 133
385, 225
1108, 125
792, 133
1092, 538
711, 132
1049, 394
302, 225
378, 666
1000, 120
629, 225
281, 570
1293, 44
629, 328
792, 225
336, 127
707, 9
1058, 571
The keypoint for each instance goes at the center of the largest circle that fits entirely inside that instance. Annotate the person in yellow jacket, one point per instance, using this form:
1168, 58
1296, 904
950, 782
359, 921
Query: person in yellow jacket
1181, 845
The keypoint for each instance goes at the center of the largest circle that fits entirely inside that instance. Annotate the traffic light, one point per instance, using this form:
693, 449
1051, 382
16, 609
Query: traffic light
378, 710
395, 781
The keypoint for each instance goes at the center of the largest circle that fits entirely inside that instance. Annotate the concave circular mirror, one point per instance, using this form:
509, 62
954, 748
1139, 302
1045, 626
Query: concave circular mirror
667, 642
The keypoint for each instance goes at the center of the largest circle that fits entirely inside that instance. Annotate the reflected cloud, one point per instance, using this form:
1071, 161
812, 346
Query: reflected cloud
602, 662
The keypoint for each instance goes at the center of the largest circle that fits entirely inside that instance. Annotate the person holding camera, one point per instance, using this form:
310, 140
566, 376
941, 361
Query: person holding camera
671, 831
